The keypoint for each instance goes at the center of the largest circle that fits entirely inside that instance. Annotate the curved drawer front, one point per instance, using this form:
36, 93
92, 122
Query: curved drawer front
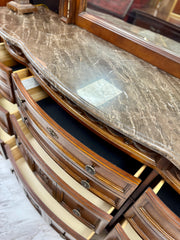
172, 175
109, 181
7, 108
5, 82
4, 120
7, 64
53, 212
16, 53
87, 207
150, 217
64, 160
5, 139
117, 233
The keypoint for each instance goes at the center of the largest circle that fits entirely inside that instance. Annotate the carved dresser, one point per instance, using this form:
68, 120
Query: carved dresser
92, 131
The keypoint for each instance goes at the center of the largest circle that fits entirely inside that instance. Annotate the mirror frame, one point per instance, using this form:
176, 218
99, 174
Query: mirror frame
74, 12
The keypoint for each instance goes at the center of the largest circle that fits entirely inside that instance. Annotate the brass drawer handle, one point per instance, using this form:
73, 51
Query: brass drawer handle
18, 143
90, 169
20, 101
62, 235
25, 120
85, 184
76, 212
52, 133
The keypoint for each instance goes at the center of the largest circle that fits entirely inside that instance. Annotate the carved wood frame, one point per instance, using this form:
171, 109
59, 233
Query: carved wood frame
73, 11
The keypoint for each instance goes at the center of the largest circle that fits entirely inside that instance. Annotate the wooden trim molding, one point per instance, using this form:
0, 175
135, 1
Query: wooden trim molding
67, 10
152, 219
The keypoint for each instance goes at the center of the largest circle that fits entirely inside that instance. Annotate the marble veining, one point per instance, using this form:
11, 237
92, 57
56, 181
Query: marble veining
146, 106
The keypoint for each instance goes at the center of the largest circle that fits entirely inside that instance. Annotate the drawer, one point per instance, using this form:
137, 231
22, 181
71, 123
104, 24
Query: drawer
94, 172
7, 108
87, 207
5, 57
7, 65
55, 214
5, 82
151, 216
117, 233
169, 172
133, 149
16, 53
5, 139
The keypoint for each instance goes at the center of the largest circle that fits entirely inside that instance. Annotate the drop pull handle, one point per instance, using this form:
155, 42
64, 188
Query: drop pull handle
76, 212
20, 101
90, 169
85, 184
52, 133
62, 235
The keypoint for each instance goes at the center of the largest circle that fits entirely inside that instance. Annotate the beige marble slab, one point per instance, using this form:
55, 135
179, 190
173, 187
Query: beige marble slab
147, 106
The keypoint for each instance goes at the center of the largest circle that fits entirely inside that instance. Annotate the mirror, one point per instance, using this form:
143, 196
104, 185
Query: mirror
153, 21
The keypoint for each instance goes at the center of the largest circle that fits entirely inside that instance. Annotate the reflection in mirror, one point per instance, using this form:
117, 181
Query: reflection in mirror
52, 5
155, 21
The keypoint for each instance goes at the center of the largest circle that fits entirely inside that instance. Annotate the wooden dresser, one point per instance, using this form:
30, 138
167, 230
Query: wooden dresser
91, 130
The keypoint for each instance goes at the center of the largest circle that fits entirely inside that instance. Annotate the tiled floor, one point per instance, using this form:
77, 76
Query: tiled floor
18, 218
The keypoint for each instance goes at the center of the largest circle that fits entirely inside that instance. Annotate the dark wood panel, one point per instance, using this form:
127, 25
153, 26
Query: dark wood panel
3, 2
177, 7
170, 173
152, 219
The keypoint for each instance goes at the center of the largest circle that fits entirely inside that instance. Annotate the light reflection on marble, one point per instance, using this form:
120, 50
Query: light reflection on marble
157, 39
148, 108
102, 91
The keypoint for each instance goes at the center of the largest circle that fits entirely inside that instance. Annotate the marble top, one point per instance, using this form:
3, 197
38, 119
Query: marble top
121, 90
